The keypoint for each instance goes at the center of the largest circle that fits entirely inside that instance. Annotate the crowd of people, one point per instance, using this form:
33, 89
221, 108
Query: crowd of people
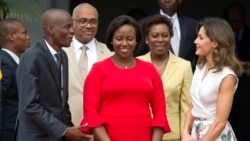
163, 77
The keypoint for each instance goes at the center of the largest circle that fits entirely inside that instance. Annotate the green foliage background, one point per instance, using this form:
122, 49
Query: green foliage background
29, 10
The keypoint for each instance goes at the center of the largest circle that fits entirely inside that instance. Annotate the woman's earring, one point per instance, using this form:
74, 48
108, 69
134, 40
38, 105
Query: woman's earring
146, 42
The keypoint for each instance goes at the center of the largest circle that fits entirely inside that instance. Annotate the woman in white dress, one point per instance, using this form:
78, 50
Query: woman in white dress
214, 83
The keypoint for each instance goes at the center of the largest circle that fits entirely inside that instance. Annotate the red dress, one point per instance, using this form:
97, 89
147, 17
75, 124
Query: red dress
121, 100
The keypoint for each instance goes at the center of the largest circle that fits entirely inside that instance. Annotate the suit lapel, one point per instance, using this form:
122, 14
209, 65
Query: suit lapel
73, 64
171, 67
4, 53
52, 64
100, 52
168, 72
183, 30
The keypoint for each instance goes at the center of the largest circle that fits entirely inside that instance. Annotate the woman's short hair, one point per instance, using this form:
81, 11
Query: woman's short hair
117, 23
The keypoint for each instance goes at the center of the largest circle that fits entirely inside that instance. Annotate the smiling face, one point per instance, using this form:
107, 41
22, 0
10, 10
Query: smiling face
204, 45
124, 41
84, 33
158, 39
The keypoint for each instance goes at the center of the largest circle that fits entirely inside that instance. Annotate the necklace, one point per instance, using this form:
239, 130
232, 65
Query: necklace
122, 64
161, 65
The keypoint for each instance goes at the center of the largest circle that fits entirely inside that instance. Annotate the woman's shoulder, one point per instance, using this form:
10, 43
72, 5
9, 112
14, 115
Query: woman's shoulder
143, 62
180, 60
145, 66
103, 63
183, 63
226, 70
145, 57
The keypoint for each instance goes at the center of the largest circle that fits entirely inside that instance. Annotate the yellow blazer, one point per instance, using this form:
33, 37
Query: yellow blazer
76, 80
176, 80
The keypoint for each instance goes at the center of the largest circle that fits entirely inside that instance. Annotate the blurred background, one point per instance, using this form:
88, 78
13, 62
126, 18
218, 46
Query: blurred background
196, 9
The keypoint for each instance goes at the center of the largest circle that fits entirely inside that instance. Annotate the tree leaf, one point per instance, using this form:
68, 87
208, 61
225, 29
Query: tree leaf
30, 10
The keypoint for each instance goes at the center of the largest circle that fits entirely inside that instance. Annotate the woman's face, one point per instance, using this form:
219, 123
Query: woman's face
204, 45
124, 41
158, 39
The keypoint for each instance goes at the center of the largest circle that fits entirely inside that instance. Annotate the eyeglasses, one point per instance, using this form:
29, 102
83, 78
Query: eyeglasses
84, 21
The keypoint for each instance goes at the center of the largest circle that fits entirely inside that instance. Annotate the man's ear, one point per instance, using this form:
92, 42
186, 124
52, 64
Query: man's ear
50, 29
11, 36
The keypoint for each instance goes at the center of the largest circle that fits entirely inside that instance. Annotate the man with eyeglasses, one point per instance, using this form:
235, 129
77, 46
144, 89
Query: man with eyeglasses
85, 17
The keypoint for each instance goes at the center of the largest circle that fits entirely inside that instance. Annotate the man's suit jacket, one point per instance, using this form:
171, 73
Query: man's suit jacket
244, 49
188, 35
9, 94
43, 112
176, 79
76, 80
238, 114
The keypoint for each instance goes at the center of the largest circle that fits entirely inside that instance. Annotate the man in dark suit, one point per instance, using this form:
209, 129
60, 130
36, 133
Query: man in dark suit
185, 31
236, 16
42, 80
14, 40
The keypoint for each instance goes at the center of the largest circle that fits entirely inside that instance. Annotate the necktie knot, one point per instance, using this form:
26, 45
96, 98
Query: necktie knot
84, 48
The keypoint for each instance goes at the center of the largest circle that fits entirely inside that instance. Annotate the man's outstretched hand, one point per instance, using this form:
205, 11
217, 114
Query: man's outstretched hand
75, 134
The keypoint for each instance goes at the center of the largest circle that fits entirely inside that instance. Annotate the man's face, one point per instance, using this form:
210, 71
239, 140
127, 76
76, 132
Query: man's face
169, 7
21, 38
63, 31
236, 19
85, 24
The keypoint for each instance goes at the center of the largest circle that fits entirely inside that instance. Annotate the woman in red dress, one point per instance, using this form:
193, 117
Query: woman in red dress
123, 96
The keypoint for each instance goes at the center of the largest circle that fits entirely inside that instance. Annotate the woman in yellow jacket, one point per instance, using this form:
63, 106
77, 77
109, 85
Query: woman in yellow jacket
176, 73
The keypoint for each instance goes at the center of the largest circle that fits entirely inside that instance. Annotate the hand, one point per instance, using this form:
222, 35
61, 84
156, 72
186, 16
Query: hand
186, 137
75, 134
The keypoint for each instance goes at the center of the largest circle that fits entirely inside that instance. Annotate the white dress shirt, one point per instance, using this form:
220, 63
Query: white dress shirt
13, 55
176, 25
91, 51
